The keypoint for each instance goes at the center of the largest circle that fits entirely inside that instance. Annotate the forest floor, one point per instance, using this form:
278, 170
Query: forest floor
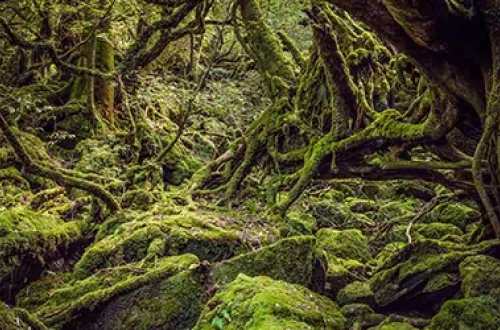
351, 254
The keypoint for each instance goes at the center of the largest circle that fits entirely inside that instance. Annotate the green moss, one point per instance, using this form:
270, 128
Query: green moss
456, 214
100, 157
359, 205
345, 253
180, 165
68, 302
137, 199
356, 292
396, 326
444, 231
289, 260
31, 239
330, 213
300, 224
402, 209
417, 269
480, 313
18, 319
263, 303
361, 315
345, 244
387, 252
199, 233
441, 281
38, 293
410, 269
480, 275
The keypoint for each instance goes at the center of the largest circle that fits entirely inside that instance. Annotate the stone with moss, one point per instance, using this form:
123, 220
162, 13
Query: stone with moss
300, 224
202, 234
480, 275
398, 209
100, 157
137, 199
415, 273
29, 242
361, 315
436, 230
415, 189
344, 254
478, 313
263, 303
359, 205
289, 260
387, 252
345, 244
396, 326
454, 213
18, 319
356, 292
332, 214
145, 288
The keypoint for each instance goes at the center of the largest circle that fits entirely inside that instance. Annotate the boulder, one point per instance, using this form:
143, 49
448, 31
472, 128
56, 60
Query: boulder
480, 276
300, 224
18, 319
396, 326
424, 274
356, 292
289, 260
478, 313
263, 303
344, 254
361, 316
330, 214
150, 234
31, 242
454, 213
164, 295
435, 230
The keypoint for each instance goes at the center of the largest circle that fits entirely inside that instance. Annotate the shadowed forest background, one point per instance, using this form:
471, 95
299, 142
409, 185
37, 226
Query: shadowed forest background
250, 164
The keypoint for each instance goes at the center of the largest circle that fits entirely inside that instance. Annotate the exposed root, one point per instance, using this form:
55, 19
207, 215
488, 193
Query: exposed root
65, 178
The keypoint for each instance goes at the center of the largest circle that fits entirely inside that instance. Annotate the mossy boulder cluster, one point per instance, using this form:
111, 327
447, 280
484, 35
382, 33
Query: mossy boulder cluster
168, 268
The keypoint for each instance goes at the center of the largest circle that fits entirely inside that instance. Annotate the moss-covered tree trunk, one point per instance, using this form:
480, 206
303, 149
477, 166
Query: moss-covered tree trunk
94, 92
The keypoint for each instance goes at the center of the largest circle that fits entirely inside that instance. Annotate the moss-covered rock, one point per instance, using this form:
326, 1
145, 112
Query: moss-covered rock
398, 209
480, 276
300, 224
18, 319
424, 273
100, 157
415, 189
358, 205
396, 326
345, 244
453, 213
436, 230
330, 214
356, 292
29, 242
361, 316
344, 253
122, 243
263, 303
289, 260
146, 290
479, 313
